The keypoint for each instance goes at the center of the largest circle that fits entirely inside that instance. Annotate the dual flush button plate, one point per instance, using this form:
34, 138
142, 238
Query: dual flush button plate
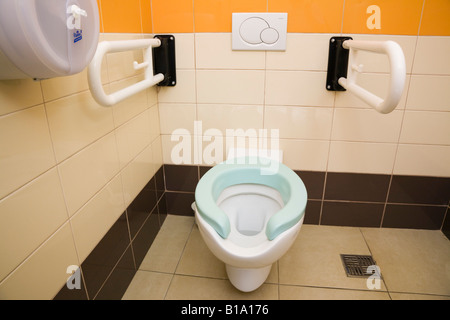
259, 31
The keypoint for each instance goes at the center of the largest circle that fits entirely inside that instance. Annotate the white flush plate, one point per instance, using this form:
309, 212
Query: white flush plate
259, 31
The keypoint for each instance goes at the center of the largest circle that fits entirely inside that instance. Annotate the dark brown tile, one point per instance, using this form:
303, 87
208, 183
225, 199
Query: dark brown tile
312, 212
144, 238
119, 280
162, 209
351, 214
446, 225
100, 262
140, 208
73, 293
160, 184
421, 190
181, 177
203, 170
179, 203
414, 216
356, 187
314, 182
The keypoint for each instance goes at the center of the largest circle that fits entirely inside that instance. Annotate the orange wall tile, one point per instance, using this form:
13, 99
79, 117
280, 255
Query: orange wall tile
400, 17
215, 16
121, 16
146, 16
435, 18
318, 16
100, 15
396, 16
173, 16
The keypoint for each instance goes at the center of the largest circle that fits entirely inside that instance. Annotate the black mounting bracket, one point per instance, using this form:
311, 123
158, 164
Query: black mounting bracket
337, 63
164, 60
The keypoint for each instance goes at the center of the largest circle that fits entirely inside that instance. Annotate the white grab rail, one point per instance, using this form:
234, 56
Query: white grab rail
94, 70
397, 74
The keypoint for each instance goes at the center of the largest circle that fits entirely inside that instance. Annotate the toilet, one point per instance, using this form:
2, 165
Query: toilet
249, 211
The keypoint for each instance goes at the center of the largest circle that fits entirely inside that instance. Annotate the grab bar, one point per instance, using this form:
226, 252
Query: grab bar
94, 70
397, 68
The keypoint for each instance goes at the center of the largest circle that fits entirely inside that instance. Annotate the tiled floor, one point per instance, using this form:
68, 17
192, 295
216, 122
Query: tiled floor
415, 264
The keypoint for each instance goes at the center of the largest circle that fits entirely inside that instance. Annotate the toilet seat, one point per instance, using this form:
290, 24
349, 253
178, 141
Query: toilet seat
251, 170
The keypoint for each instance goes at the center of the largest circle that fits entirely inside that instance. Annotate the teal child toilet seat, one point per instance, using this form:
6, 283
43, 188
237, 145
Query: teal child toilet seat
251, 171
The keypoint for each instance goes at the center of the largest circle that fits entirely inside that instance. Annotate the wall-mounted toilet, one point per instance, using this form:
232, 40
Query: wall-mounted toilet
249, 212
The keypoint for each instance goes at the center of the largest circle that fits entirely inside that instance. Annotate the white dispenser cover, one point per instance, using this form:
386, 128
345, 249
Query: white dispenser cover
47, 38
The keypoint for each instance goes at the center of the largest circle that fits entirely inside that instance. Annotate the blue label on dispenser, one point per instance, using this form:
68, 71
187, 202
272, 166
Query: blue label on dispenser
77, 36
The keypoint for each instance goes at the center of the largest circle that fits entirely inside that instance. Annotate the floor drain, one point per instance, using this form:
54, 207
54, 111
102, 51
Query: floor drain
356, 265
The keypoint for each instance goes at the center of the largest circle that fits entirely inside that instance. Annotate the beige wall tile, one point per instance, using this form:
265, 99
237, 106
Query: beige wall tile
429, 93
426, 127
366, 125
133, 137
94, 219
25, 148
153, 122
432, 55
157, 155
213, 51
43, 274
361, 157
77, 121
305, 154
183, 92
304, 51
303, 88
176, 115
83, 174
230, 86
185, 50
130, 107
137, 174
223, 117
13, 97
28, 217
299, 122
422, 160
56, 88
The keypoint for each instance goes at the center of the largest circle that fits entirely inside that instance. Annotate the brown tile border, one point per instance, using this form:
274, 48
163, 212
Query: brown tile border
110, 267
334, 198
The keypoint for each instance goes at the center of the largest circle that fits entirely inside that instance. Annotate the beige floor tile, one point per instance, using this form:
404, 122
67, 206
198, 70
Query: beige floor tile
197, 259
166, 250
411, 261
197, 288
148, 286
311, 293
314, 259
416, 296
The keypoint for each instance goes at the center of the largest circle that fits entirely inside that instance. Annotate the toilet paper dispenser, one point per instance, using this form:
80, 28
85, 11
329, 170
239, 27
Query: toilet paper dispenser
341, 76
46, 38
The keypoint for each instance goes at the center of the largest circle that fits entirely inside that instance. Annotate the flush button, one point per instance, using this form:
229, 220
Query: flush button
259, 31
250, 30
269, 35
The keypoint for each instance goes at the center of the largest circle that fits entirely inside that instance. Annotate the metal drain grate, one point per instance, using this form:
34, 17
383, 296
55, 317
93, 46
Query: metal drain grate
356, 265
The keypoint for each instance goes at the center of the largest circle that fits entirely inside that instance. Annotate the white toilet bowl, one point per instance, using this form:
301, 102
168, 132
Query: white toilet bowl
249, 217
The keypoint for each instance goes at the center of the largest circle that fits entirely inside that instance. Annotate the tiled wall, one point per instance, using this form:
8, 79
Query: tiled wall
69, 169
383, 164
